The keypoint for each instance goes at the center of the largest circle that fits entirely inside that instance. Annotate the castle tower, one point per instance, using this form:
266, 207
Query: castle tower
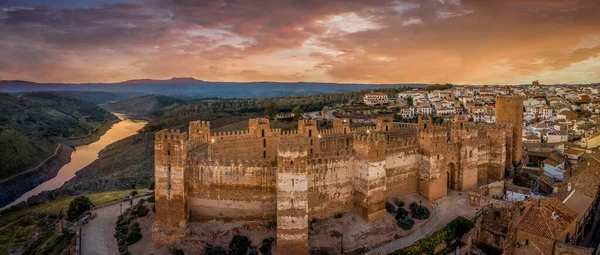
308, 128
369, 176
383, 124
292, 197
259, 127
434, 180
342, 124
170, 152
509, 111
200, 129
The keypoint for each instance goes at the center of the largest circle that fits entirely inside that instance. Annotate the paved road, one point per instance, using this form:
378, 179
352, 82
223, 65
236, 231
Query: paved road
447, 209
97, 235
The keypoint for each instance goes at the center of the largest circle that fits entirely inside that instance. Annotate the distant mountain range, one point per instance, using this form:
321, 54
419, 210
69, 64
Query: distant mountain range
186, 87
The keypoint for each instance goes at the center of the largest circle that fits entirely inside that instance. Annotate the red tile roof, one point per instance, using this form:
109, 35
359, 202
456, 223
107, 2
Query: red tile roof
537, 218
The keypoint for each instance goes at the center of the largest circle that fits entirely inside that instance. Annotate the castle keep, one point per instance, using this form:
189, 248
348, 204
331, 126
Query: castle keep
293, 176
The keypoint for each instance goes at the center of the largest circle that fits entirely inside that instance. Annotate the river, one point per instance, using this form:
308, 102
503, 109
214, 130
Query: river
85, 155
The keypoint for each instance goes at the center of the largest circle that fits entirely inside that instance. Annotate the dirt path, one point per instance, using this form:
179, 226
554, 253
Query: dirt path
447, 209
97, 235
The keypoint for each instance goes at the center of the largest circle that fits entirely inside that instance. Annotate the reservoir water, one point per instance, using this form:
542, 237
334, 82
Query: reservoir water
85, 155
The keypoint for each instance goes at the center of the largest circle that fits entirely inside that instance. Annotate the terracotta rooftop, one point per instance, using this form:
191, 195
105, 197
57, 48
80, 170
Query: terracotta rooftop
573, 151
585, 177
537, 218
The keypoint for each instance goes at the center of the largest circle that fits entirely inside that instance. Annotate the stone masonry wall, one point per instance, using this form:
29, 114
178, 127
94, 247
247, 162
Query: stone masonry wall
292, 176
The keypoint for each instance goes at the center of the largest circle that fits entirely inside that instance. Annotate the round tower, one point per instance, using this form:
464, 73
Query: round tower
509, 110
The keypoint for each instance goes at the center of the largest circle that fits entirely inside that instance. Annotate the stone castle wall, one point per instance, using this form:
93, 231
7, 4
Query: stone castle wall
292, 176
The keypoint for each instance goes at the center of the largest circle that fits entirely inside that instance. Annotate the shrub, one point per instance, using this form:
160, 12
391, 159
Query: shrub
134, 233
266, 246
401, 212
177, 252
399, 203
390, 208
152, 199
421, 213
239, 245
405, 222
78, 207
133, 193
215, 250
413, 206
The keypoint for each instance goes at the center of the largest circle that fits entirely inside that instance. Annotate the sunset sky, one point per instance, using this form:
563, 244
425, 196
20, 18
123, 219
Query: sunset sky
356, 41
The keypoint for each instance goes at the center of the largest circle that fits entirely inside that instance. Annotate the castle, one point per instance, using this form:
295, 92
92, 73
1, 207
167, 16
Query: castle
294, 176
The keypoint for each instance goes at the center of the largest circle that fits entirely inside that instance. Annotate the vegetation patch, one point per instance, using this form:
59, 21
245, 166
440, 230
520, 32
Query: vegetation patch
419, 212
452, 232
239, 245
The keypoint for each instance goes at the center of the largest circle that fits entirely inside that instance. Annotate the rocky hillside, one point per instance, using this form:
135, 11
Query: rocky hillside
30, 124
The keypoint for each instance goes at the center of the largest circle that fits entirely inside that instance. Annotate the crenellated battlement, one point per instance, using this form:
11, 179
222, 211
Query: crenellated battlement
510, 98
171, 134
362, 129
369, 138
230, 134
258, 121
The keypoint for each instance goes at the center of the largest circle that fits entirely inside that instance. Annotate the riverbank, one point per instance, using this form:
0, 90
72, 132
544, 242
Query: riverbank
13, 188
94, 136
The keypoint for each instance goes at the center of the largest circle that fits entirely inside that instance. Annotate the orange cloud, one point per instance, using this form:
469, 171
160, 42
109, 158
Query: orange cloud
382, 41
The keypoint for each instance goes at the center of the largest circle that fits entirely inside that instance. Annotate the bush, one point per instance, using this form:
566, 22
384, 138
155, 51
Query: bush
133, 193
215, 250
177, 252
239, 245
152, 199
401, 212
413, 206
400, 203
405, 222
78, 207
390, 208
421, 213
134, 233
266, 246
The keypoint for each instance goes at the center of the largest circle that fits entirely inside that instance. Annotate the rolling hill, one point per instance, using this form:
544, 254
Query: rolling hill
30, 122
146, 107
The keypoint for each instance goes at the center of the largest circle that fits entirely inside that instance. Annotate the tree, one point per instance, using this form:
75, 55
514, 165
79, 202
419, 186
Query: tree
409, 100
78, 207
215, 250
297, 111
535, 83
239, 245
271, 110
